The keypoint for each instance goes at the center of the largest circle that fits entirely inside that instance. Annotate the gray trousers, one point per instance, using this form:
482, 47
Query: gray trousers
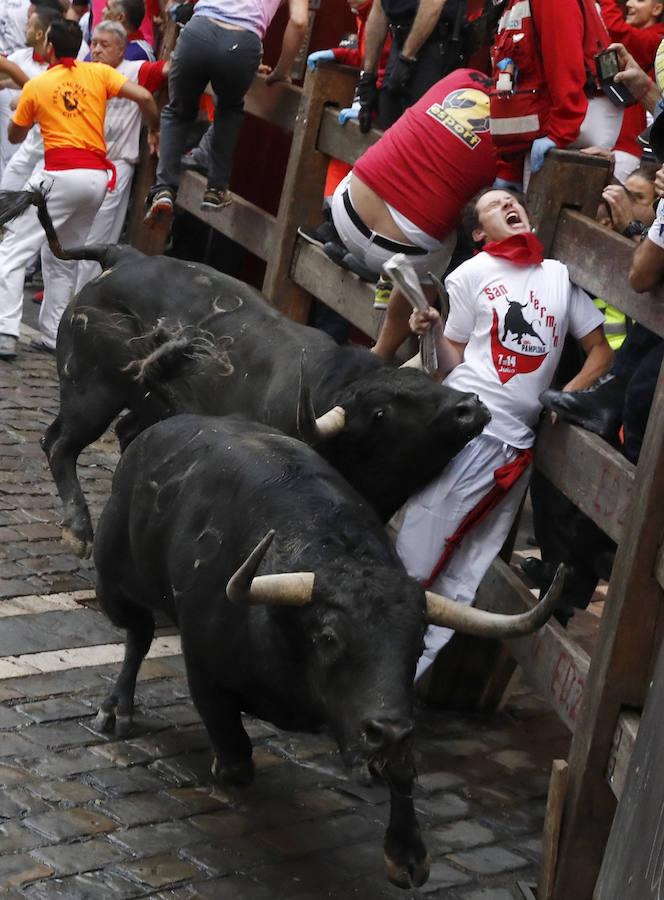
226, 58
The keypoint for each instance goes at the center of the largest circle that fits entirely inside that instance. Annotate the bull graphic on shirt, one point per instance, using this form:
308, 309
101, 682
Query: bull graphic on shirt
70, 102
521, 333
516, 323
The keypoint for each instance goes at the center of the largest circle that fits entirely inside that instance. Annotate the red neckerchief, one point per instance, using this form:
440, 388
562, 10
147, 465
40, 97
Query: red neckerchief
67, 61
521, 249
38, 58
135, 36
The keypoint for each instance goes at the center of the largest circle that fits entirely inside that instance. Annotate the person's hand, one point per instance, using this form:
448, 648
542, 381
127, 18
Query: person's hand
314, 58
367, 95
350, 112
276, 78
659, 182
401, 75
602, 152
631, 75
153, 142
264, 69
620, 205
421, 321
538, 151
503, 184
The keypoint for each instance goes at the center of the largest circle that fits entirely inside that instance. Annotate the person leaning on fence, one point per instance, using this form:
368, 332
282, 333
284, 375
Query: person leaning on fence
69, 103
510, 310
546, 91
406, 192
221, 44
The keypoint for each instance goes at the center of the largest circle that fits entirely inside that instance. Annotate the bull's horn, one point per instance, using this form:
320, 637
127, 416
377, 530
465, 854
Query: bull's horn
310, 429
449, 614
331, 423
288, 589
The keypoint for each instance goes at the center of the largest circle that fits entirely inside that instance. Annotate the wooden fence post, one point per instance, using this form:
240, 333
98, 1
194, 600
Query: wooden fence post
621, 666
302, 193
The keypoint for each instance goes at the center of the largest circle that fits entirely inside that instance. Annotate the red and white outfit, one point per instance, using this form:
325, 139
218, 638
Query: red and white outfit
426, 167
642, 43
32, 64
122, 133
513, 318
544, 90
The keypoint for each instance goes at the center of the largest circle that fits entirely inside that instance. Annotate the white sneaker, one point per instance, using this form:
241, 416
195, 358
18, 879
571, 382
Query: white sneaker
7, 346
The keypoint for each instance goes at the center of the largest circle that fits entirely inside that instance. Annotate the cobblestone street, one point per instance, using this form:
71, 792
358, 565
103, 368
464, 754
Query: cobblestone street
83, 815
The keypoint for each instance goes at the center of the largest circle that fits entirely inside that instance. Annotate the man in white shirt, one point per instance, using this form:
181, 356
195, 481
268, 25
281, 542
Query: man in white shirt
510, 310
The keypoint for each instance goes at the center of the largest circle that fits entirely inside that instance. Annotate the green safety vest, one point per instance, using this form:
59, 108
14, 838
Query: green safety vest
615, 323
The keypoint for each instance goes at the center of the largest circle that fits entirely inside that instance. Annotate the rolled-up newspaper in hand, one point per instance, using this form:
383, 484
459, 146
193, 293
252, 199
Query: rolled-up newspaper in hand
399, 270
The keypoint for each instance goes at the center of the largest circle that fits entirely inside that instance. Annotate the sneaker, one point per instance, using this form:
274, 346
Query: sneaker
216, 199
353, 264
7, 346
336, 253
382, 294
39, 344
320, 235
161, 206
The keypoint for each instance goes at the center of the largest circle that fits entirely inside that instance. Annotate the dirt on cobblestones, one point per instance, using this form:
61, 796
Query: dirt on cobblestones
83, 815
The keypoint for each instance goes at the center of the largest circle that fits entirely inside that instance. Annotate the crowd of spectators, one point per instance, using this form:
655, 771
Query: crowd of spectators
462, 139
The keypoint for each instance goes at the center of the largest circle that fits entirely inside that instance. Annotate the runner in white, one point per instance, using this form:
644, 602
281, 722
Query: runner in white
510, 310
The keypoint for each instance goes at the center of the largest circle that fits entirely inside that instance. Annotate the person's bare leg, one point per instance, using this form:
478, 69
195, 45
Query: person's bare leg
395, 330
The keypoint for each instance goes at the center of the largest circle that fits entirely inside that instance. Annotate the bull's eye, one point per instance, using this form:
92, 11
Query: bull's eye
379, 413
327, 642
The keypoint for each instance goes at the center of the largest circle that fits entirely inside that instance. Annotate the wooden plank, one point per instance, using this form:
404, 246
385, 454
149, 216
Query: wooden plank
622, 748
591, 473
659, 567
242, 221
274, 103
633, 866
337, 288
550, 659
551, 835
302, 192
344, 142
599, 261
629, 637
567, 179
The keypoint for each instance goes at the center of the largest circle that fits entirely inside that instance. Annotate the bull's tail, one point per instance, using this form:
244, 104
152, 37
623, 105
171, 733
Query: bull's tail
15, 203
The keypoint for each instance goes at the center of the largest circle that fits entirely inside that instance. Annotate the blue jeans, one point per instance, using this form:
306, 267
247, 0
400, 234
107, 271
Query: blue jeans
226, 58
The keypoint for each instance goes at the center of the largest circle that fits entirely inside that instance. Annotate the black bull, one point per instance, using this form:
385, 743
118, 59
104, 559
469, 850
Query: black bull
320, 627
160, 336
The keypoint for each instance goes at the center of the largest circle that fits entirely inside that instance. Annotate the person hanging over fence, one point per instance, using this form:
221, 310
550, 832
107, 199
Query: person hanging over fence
510, 310
69, 103
221, 44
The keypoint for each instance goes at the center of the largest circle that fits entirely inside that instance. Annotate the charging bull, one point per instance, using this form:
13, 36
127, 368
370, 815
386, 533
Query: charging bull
160, 336
515, 323
291, 602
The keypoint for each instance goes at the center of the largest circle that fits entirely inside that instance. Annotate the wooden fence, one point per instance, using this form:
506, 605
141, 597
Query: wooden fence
598, 698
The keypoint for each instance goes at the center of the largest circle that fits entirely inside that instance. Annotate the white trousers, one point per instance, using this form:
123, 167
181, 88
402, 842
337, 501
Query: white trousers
74, 197
107, 226
23, 163
433, 515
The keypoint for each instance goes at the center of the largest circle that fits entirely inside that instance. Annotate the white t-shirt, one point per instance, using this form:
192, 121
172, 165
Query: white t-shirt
13, 19
122, 125
513, 320
656, 230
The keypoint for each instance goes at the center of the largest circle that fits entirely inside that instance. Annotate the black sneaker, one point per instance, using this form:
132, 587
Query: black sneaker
319, 235
216, 199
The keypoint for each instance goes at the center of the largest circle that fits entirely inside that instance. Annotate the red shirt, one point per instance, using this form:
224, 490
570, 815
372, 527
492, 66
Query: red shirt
354, 56
437, 156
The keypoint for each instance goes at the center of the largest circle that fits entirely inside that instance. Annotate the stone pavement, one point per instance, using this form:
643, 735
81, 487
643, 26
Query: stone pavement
85, 816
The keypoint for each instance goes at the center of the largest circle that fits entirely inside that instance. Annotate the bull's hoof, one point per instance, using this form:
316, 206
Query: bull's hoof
123, 725
406, 875
82, 547
104, 721
238, 774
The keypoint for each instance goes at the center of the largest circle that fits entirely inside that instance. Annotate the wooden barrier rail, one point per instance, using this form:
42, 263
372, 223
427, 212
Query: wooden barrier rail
598, 698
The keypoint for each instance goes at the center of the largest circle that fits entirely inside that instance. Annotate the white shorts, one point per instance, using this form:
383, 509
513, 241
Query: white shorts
373, 256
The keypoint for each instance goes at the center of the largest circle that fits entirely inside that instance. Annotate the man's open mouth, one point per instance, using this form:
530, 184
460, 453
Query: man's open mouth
513, 218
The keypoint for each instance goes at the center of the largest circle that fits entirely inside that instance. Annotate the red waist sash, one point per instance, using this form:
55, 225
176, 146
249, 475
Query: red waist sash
59, 159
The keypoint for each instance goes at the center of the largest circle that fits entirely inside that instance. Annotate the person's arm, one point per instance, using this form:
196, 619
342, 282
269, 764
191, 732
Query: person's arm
448, 352
17, 133
293, 35
642, 42
146, 103
599, 357
564, 66
647, 269
13, 72
637, 82
426, 18
23, 119
376, 33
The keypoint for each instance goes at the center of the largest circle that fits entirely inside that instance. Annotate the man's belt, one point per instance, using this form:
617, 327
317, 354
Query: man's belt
377, 239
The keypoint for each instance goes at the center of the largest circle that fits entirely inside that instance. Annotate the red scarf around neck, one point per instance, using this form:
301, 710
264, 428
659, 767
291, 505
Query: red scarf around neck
521, 249
37, 57
67, 61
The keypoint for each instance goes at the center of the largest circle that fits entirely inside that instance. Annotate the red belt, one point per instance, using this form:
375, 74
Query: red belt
59, 159
504, 478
